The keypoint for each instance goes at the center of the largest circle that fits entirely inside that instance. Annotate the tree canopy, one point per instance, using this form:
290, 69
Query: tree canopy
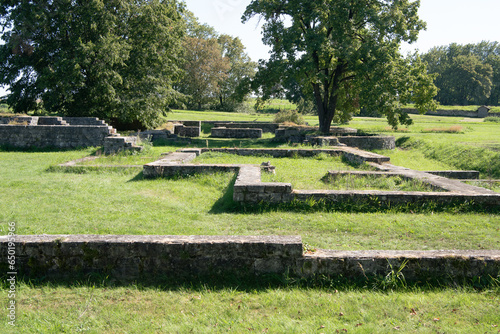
466, 74
103, 58
217, 68
344, 54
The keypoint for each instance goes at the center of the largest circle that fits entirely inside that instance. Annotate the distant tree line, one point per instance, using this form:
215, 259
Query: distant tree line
466, 74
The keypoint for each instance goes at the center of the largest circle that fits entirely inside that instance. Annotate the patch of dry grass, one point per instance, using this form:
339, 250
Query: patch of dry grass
451, 129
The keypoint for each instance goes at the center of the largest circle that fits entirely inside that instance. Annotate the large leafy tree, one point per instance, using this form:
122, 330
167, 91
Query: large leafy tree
234, 88
205, 69
217, 68
345, 54
104, 58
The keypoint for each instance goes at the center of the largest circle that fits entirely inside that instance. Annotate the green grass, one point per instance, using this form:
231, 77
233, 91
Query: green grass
41, 199
90, 309
309, 173
113, 202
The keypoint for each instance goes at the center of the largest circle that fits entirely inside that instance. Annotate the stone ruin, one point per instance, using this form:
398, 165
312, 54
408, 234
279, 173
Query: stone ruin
248, 187
57, 132
128, 258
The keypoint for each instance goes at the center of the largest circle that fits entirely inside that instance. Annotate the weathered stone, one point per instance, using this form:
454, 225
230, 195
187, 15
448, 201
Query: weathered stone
236, 133
369, 142
130, 257
42, 132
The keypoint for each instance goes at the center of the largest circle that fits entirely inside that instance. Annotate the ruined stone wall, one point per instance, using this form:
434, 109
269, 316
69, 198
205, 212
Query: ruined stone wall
129, 257
266, 127
482, 112
51, 131
369, 142
236, 133
42, 136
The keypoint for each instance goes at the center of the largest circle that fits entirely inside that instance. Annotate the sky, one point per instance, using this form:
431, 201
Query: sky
448, 21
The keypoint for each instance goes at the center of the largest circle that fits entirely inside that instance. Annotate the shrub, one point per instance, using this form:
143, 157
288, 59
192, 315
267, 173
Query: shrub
290, 116
492, 119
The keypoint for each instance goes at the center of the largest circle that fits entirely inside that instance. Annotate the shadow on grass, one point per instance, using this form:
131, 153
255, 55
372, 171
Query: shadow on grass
226, 204
248, 282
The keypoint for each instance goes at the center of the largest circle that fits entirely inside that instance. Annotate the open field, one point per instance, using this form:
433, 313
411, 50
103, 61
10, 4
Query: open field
42, 199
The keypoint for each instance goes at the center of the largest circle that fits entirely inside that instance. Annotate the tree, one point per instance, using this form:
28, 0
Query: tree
235, 87
345, 53
211, 78
103, 58
205, 69
466, 74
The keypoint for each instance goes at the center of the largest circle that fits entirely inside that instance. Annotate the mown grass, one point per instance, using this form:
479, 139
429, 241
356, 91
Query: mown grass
41, 199
122, 202
309, 173
205, 309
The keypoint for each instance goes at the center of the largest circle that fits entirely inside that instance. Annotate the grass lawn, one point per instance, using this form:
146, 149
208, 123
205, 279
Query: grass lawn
89, 309
42, 199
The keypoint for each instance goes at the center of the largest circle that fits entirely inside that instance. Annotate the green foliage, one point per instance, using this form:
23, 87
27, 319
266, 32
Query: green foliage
205, 68
290, 116
466, 74
236, 87
492, 119
218, 70
109, 59
343, 55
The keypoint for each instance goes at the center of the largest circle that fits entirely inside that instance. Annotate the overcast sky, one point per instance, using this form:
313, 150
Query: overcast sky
448, 21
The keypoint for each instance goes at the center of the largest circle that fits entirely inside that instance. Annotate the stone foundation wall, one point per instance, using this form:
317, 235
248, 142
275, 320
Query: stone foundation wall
236, 133
57, 132
369, 142
481, 112
84, 121
187, 131
116, 144
57, 136
265, 127
129, 257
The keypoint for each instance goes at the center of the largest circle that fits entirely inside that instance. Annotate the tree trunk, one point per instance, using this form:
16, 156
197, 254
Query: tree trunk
326, 109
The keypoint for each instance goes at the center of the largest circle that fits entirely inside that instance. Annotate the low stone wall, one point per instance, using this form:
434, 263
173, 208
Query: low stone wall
299, 134
323, 141
84, 121
188, 129
57, 136
249, 189
236, 133
457, 174
481, 112
116, 144
369, 142
132, 257
19, 120
264, 126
